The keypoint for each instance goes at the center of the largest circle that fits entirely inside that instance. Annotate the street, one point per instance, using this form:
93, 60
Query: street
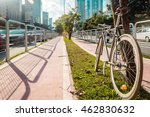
145, 47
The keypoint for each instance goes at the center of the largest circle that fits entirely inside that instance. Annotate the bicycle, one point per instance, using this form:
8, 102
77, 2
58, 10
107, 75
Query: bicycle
124, 58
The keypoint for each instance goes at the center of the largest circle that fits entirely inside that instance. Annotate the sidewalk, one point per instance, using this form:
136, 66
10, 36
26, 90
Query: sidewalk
91, 47
38, 74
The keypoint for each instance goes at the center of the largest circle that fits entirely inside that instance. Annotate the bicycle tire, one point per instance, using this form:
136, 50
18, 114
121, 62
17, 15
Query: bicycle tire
126, 75
98, 53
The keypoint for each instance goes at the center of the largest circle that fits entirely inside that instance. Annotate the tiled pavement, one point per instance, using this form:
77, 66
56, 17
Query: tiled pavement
37, 74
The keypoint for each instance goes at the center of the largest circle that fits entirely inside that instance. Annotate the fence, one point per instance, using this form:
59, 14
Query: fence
17, 37
88, 35
92, 35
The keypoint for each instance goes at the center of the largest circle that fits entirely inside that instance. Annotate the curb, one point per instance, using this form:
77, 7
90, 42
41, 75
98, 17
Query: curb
68, 85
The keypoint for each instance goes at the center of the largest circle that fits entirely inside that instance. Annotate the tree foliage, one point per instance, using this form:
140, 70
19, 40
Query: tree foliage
66, 23
138, 9
92, 22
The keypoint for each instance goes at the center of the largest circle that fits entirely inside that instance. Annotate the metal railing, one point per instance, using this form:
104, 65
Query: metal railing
17, 37
93, 34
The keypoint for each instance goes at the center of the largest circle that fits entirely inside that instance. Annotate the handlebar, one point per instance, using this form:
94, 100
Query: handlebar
103, 26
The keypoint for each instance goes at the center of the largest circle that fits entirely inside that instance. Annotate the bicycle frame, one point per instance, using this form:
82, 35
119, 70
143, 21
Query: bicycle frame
115, 38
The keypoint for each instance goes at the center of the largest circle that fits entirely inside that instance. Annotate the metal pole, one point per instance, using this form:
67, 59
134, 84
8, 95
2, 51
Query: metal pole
96, 35
26, 39
35, 37
91, 35
44, 35
41, 36
7, 41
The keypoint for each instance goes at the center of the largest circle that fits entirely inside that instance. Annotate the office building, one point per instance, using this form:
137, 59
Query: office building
87, 8
96, 7
50, 23
33, 11
28, 7
37, 11
11, 9
45, 18
80, 5
3, 9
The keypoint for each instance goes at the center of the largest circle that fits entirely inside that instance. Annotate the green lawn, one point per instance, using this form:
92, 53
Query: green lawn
89, 85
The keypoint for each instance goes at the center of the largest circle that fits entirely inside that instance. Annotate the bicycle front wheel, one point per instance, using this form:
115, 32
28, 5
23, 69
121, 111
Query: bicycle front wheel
126, 67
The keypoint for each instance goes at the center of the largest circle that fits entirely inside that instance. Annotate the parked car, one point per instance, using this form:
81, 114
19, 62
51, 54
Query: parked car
143, 34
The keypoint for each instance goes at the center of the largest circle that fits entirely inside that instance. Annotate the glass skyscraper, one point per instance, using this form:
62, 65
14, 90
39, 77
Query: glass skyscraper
87, 8
11, 9
45, 18
80, 5
37, 11
33, 11
96, 6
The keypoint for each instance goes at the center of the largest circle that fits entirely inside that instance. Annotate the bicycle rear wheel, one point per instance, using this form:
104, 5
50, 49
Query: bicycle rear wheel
126, 67
98, 52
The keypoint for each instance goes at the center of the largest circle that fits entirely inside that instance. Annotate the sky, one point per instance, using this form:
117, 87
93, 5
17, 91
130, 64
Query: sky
56, 7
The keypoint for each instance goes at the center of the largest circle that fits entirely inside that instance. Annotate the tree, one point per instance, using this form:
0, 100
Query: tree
69, 22
92, 22
58, 26
66, 22
136, 7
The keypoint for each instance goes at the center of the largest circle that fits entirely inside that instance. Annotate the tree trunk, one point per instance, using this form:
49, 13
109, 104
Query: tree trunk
131, 74
70, 33
125, 18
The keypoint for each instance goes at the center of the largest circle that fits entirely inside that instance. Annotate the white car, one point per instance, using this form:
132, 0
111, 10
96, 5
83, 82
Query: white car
143, 34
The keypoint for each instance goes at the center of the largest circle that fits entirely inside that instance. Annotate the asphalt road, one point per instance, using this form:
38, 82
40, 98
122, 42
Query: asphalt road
145, 47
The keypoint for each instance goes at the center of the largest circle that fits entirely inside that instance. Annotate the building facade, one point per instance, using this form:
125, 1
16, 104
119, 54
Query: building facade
37, 11
11, 9
3, 9
96, 7
87, 8
33, 11
80, 5
50, 23
45, 18
28, 7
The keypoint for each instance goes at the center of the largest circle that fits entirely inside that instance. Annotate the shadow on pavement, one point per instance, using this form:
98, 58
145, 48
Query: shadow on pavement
12, 76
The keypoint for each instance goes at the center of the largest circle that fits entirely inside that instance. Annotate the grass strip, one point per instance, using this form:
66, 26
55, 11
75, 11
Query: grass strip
89, 85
